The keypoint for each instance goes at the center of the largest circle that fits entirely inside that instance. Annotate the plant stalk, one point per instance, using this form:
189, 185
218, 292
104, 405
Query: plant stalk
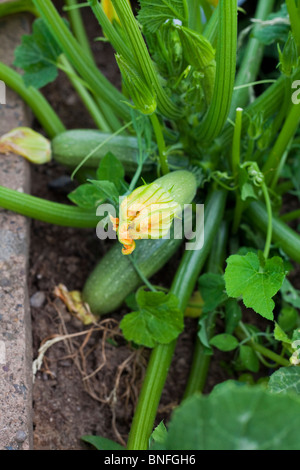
282, 234
161, 356
40, 107
214, 120
83, 64
278, 151
143, 60
47, 211
78, 27
252, 59
201, 360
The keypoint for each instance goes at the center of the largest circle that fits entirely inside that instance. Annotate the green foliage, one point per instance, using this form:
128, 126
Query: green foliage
285, 380
289, 294
154, 13
38, 55
109, 185
255, 281
101, 443
224, 342
246, 185
276, 28
212, 289
233, 315
235, 417
248, 359
158, 319
86, 196
159, 434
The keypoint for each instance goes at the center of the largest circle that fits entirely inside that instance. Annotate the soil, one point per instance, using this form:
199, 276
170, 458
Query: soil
89, 382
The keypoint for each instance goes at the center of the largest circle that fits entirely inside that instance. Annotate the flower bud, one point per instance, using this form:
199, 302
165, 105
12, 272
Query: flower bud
197, 49
143, 98
27, 143
288, 58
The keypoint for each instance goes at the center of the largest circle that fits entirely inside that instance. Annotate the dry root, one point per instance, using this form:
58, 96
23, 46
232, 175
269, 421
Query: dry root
127, 376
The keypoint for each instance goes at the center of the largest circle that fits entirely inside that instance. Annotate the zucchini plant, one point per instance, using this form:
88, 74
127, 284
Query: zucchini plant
208, 114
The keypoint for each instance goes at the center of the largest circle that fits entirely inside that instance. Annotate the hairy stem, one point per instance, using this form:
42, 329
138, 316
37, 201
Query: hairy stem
161, 356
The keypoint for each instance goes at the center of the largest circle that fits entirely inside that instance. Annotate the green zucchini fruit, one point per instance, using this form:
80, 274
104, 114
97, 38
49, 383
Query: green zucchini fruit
71, 147
115, 276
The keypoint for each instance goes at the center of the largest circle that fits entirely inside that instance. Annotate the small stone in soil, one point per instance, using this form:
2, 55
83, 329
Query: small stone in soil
20, 436
37, 299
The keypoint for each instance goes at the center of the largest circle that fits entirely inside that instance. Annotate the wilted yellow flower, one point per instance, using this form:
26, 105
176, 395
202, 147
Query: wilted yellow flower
27, 143
147, 212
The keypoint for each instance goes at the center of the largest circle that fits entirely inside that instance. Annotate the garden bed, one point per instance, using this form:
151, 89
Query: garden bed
88, 378
66, 406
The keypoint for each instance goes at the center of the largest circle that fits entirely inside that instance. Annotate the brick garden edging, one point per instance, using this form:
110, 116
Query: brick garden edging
15, 327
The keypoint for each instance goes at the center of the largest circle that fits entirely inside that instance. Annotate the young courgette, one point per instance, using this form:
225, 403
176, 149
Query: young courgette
71, 147
115, 276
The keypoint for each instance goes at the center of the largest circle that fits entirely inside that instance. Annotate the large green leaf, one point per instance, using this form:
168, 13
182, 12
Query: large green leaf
285, 379
255, 282
154, 13
37, 56
236, 417
212, 289
158, 319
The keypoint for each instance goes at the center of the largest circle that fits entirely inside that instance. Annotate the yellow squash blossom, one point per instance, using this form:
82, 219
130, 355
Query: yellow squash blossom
148, 212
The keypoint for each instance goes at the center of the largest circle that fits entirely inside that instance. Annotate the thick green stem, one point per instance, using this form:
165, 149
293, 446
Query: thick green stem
110, 32
161, 356
36, 101
252, 58
291, 216
195, 21
282, 234
160, 144
85, 96
201, 360
270, 219
47, 211
83, 64
78, 27
242, 333
17, 6
294, 14
268, 102
217, 114
236, 161
287, 132
211, 27
143, 60
236, 144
